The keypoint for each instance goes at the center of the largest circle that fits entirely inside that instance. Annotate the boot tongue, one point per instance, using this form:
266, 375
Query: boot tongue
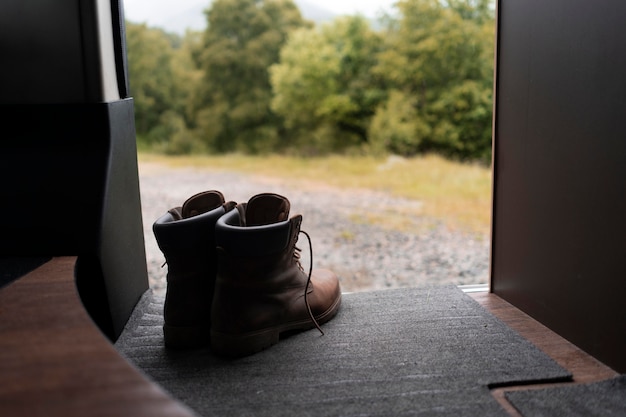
265, 209
201, 203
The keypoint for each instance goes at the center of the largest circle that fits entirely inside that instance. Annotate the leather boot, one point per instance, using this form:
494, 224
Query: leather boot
186, 236
261, 289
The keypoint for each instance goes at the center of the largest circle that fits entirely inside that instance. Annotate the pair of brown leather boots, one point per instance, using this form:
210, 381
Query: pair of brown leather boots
234, 280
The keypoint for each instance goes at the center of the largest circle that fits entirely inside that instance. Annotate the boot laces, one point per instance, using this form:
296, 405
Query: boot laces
297, 256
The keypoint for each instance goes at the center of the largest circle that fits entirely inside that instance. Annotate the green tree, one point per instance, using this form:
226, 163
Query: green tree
150, 78
232, 102
440, 55
162, 77
323, 85
396, 127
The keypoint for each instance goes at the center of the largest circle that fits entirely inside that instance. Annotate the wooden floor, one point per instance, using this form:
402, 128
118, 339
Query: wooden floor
55, 362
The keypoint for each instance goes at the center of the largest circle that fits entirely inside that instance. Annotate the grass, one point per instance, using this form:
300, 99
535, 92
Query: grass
458, 194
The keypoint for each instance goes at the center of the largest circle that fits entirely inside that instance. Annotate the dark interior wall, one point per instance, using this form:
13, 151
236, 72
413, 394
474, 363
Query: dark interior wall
68, 155
42, 52
559, 219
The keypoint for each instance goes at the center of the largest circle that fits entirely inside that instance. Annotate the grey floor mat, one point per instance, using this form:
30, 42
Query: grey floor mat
419, 351
598, 399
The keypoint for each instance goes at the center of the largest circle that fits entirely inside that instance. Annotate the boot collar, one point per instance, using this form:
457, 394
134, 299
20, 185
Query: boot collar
255, 240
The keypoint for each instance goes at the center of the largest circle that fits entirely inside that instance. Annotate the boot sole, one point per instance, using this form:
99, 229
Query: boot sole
239, 345
176, 337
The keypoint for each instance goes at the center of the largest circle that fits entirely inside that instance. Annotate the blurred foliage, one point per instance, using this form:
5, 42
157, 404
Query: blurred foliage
232, 100
439, 60
262, 79
324, 87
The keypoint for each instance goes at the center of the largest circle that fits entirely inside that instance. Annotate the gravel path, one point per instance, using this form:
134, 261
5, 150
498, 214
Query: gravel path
365, 255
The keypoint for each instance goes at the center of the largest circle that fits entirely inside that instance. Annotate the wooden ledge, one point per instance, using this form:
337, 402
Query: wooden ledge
54, 361
583, 367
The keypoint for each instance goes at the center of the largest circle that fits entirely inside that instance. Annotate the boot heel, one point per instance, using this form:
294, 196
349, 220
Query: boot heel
186, 337
242, 345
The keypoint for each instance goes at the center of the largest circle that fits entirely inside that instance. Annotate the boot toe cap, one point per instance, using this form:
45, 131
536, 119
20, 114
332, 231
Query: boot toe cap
326, 295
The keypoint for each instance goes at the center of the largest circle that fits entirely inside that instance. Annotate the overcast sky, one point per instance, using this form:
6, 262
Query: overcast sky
157, 11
